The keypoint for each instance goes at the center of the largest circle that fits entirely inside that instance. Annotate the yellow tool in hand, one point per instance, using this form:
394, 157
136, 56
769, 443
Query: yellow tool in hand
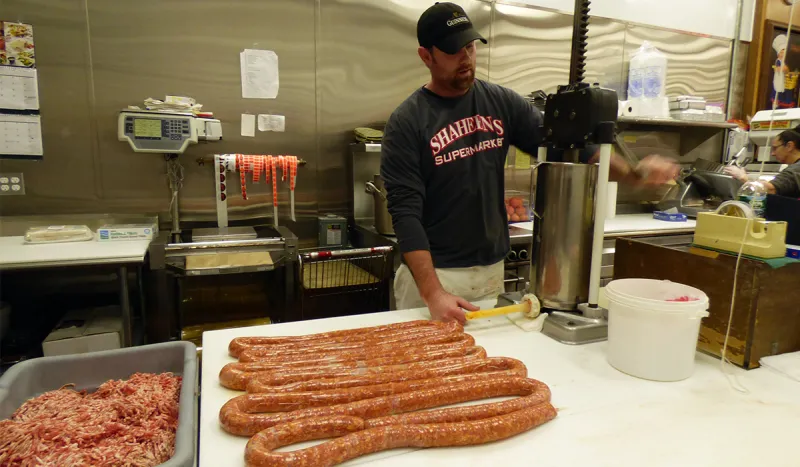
529, 305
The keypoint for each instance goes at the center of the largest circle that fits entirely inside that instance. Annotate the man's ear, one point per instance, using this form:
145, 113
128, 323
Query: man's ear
425, 55
790, 146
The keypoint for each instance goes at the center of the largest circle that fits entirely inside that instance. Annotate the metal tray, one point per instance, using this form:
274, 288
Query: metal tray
88, 371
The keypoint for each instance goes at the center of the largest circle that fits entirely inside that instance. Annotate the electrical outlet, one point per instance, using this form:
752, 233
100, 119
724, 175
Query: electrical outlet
12, 184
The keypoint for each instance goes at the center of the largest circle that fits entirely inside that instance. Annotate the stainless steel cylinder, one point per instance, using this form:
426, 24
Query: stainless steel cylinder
563, 196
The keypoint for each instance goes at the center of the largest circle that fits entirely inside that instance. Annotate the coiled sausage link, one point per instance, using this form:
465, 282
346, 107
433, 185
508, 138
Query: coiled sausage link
236, 415
372, 346
353, 437
288, 401
507, 366
238, 344
236, 375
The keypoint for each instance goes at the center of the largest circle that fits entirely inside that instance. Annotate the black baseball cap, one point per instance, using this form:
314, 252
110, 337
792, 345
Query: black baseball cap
446, 26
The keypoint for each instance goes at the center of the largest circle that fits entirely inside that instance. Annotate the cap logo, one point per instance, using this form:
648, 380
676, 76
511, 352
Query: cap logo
457, 19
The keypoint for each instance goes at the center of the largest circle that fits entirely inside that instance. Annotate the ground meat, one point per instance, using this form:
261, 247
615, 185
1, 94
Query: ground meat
124, 423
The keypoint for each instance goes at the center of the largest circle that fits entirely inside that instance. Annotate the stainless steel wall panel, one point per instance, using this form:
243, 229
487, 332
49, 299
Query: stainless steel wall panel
605, 58
696, 65
343, 64
65, 180
150, 48
367, 66
530, 48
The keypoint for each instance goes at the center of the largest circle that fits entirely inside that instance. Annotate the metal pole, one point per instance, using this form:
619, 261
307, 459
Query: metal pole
125, 303
601, 202
732, 73
175, 176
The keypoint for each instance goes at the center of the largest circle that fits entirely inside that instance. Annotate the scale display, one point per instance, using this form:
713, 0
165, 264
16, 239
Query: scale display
157, 132
146, 128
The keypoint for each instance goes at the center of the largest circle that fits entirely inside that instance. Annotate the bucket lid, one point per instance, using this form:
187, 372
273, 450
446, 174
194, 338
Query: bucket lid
657, 295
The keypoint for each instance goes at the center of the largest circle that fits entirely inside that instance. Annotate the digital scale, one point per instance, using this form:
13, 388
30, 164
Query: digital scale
165, 133
760, 133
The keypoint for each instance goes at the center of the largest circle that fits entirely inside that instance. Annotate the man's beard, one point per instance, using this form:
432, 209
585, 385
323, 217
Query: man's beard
463, 82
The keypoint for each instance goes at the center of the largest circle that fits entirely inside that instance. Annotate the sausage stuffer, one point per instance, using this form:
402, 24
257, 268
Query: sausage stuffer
566, 257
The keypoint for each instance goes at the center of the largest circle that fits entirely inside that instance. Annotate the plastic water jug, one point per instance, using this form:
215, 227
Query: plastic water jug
647, 73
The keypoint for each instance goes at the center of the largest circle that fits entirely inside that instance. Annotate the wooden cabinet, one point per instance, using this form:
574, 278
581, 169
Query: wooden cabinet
766, 316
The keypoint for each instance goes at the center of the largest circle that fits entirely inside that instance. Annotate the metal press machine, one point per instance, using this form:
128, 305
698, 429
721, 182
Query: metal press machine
569, 202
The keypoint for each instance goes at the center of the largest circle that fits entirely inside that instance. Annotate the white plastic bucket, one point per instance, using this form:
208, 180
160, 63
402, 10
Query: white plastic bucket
648, 336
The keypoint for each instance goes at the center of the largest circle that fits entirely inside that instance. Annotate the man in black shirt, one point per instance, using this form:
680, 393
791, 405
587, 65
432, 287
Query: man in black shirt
442, 160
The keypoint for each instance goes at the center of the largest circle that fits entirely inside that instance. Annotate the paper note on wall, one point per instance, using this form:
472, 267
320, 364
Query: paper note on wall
259, 74
271, 122
20, 135
248, 125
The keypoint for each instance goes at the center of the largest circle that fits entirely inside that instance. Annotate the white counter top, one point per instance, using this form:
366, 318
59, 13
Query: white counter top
644, 222
606, 418
632, 224
15, 254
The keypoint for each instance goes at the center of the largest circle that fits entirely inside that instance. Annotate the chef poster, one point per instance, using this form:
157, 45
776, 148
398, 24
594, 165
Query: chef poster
16, 45
781, 69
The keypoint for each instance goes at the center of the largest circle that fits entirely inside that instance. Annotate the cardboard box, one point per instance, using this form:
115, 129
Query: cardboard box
84, 331
110, 233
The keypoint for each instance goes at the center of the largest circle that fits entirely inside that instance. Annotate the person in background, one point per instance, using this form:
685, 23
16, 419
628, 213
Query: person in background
442, 160
786, 150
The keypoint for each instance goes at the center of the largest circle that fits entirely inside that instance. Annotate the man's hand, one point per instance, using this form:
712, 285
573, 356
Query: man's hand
736, 172
448, 307
657, 170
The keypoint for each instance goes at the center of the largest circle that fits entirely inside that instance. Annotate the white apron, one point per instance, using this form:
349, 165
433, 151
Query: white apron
473, 284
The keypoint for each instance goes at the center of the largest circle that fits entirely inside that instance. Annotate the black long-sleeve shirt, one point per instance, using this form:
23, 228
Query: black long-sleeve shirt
442, 161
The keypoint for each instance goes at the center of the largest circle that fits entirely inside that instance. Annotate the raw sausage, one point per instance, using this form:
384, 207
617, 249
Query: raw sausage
356, 354
497, 365
288, 401
240, 343
374, 347
278, 377
426, 337
353, 438
361, 341
260, 353
424, 353
236, 375
237, 417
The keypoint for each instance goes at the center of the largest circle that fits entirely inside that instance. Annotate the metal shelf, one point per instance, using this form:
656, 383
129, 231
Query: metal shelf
675, 122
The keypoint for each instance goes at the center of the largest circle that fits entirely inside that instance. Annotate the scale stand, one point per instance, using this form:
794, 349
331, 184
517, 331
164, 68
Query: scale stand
576, 115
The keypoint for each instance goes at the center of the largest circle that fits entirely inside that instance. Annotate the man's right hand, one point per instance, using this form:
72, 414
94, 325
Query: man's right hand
448, 307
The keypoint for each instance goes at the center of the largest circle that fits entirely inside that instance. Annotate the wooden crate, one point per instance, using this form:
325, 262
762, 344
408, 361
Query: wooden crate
766, 318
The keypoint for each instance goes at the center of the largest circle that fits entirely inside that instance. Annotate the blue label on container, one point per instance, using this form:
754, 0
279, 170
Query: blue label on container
103, 234
757, 202
635, 83
652, 82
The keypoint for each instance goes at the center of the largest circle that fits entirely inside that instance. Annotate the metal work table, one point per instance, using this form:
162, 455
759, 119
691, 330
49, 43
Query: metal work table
16, 255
